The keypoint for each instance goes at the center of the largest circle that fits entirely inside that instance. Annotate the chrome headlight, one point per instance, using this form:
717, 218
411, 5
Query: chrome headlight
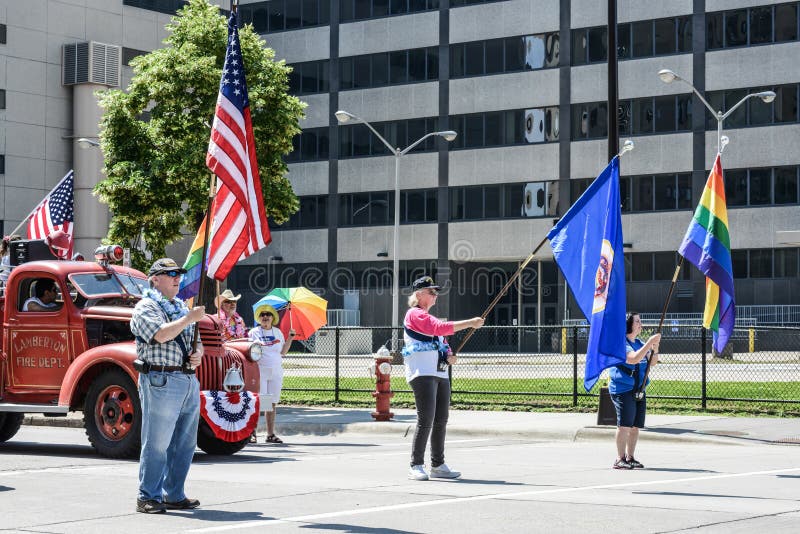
256, 351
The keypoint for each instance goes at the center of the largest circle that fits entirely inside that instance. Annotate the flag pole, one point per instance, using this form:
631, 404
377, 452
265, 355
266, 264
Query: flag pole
661, 320
502, 292
204, 264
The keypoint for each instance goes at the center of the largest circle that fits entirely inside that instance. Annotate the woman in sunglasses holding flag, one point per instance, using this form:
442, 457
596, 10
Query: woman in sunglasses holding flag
427, 356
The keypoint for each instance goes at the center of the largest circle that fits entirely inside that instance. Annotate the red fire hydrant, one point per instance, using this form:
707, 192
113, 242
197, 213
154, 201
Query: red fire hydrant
383, 385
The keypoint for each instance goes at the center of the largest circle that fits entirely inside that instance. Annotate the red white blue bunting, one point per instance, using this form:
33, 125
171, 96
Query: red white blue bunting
231, 416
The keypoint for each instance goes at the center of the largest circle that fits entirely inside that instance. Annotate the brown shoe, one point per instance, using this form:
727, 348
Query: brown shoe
185, 504
150, 507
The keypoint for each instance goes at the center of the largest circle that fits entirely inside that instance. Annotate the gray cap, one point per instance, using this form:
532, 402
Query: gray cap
163, 265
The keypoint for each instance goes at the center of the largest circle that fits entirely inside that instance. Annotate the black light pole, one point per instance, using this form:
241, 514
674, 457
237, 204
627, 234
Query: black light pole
613, 99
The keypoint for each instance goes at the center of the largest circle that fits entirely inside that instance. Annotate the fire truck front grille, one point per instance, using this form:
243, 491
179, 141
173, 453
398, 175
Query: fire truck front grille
212, 373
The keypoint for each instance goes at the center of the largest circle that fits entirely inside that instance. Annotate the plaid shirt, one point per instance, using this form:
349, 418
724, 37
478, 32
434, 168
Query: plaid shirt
148, 318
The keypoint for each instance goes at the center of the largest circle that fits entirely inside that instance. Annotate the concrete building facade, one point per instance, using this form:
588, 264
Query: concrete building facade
523, 83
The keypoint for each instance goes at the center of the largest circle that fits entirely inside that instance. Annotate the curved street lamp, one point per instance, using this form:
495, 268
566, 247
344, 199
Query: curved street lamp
668, 76
345, 117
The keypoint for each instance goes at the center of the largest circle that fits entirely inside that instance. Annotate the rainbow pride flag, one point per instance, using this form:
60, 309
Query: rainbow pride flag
707, 245
190, 284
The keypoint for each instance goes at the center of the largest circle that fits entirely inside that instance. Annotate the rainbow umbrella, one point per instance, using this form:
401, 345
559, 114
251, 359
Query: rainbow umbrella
298, 309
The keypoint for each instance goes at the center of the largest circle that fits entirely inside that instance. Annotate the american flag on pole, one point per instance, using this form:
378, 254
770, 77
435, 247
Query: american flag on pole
55, 212
239, 223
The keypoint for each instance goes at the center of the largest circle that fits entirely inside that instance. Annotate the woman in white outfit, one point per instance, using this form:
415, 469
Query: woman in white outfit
270, 365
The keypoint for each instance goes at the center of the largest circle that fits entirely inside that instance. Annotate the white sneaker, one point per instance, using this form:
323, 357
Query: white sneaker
417, 472
443, 471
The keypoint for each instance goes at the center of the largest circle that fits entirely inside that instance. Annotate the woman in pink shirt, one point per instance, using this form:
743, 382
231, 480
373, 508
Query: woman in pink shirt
426, 356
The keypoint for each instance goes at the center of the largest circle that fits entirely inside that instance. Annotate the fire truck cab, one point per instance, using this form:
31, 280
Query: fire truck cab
67, 346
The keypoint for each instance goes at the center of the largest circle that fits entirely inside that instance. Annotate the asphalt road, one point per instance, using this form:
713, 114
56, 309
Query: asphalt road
51, 481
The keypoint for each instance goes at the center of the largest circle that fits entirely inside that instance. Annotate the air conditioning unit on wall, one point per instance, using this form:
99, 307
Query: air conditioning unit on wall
534, 125
534, 199
91, 62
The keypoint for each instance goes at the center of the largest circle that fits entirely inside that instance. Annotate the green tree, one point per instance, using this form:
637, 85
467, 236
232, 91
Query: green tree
154, 136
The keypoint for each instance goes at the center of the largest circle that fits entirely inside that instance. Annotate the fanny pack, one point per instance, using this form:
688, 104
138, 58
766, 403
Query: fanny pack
441, 348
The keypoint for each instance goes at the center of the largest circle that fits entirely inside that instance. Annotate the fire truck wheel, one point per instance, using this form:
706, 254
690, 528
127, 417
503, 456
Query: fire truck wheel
210, 444
9, 424
112, 415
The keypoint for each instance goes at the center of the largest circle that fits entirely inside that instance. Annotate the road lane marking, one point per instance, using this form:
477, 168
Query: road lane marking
456, 500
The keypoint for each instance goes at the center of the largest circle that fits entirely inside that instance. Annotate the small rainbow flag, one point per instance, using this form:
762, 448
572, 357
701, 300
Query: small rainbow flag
190, 284
707, 245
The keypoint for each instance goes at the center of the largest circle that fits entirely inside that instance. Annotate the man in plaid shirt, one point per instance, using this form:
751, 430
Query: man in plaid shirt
169, 391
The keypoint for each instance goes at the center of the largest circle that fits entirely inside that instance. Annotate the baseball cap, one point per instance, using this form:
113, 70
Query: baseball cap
425, 282
163, 265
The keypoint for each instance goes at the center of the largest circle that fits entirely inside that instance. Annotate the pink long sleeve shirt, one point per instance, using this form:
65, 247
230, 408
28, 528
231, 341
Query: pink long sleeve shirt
423, 363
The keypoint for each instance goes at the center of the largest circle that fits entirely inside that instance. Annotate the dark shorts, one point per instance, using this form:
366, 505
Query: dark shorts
630, 412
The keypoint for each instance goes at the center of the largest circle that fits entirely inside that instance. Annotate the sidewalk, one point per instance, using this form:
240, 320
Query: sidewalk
538, 426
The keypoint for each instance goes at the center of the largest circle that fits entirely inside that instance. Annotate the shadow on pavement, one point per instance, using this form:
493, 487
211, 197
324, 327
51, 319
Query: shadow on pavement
206, 459
207, 514
352, 529
31, 448
678, 470
6, 488
681, 494
482, 482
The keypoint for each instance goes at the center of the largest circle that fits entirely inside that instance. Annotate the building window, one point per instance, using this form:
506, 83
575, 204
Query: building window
310, 145
2, 163
761, 187
2, 99
2, 34
376, 208
309, 77
281, 15
756, 112
169, 7
502, 201
661, 192
389, 68
509, 54
357, 140
640, 116
350, 10
751, 26
644, 38
505, 128
129, 53
313, 213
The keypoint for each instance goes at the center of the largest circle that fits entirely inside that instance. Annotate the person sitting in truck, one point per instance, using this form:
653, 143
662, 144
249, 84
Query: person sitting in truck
45, 299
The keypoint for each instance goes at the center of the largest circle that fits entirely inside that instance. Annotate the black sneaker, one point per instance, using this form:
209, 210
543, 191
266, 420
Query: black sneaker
635, 463
150, 507
185, 504
621, 463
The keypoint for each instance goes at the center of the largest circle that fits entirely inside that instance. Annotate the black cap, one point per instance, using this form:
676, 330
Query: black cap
426, 282
164, 265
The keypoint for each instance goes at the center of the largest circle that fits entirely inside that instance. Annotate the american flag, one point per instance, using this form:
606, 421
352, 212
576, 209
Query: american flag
239, 223
55, 212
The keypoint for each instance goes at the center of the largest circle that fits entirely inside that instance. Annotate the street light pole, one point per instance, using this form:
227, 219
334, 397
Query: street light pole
668, 76
448, 135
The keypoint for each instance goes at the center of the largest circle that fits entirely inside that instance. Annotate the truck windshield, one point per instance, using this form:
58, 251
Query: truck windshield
94, 285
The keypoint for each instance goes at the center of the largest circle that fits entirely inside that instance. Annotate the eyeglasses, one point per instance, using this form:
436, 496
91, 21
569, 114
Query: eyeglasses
171, 274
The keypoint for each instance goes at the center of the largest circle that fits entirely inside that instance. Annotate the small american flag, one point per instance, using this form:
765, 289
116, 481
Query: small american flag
55, 212
239, 222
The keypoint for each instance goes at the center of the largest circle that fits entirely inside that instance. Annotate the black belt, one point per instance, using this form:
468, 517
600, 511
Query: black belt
171, 369
627, 370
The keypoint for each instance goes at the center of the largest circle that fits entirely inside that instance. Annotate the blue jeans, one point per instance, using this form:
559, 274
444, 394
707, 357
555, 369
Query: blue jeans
170, 414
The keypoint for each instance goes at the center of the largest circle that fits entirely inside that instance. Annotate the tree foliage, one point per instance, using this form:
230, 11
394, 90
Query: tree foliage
154, 136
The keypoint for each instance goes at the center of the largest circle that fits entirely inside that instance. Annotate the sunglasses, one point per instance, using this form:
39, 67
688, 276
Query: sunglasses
265, 314
229, 302
433, 292
171, 274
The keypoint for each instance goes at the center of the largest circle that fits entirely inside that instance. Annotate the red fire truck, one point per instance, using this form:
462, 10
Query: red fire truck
79, 356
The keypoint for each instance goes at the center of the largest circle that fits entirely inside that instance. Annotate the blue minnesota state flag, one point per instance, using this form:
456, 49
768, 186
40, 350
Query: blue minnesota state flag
587, 246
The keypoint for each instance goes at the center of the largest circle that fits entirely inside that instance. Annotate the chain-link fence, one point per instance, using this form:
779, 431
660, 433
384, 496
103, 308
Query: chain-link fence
513, 367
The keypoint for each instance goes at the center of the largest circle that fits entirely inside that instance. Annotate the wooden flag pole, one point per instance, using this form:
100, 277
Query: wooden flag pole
204, 264
502, 292
661, 321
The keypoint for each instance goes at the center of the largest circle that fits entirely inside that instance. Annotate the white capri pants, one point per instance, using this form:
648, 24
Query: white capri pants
271, 385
